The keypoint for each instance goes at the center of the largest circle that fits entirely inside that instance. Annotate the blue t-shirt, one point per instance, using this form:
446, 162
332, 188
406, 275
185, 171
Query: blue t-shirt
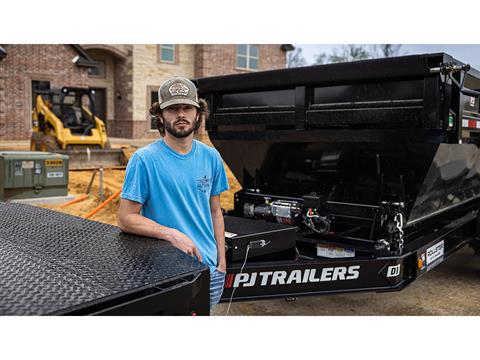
175, 190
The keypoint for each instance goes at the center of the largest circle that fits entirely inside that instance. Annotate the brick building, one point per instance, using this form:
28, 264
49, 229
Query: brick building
125, 77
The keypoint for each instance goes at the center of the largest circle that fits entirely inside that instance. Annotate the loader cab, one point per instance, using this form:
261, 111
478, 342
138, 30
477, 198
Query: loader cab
75, 107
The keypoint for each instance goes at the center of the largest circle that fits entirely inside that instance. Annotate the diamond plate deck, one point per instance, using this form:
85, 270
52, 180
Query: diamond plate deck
51, 263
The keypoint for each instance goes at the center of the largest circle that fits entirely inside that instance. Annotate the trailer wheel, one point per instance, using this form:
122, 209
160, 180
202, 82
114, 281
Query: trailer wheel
476, 248
475, 244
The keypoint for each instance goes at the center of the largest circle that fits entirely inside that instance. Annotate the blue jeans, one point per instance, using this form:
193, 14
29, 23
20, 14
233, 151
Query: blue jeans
217, 280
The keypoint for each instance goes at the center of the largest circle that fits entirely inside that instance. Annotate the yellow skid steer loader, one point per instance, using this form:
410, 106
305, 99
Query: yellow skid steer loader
64, 121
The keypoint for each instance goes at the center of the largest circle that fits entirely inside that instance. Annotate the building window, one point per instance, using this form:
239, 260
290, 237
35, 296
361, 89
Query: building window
167, 53
247, 57
38, 85
153, 99
97, 71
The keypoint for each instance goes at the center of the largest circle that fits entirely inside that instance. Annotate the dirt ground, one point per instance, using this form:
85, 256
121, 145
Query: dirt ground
452, 288
113, 181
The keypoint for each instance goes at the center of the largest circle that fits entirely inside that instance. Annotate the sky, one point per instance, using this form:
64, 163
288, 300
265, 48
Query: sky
469, 54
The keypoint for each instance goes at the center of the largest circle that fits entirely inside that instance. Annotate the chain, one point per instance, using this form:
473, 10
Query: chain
391, 223
398, 220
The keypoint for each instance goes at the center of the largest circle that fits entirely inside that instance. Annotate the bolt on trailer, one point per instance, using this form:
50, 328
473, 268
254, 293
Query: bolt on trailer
356, 176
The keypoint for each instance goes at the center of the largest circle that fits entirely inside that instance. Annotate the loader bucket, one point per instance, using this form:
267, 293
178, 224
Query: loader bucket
86, 159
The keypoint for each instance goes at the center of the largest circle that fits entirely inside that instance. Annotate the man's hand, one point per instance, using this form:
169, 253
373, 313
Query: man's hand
222, 267
130, 221
183, 242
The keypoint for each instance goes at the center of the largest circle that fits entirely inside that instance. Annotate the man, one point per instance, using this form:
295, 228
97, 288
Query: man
172, 187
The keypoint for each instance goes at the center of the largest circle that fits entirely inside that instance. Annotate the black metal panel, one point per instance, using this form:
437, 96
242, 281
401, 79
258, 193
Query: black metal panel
348, 126
300, 107
56, 263
193, 290
345, 172
265, 118
310, 277
431, 118
389, 68
371, 104
361, 273
241, 232
257, 98
378, 117
452, 179
435, 176
392, 93
387, 90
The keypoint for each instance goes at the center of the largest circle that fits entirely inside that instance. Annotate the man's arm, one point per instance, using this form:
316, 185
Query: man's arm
130, 221
219, 231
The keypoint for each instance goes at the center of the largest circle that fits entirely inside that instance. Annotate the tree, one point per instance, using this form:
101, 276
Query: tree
320, 59
354, 52
386, 50
295, 58
350, 52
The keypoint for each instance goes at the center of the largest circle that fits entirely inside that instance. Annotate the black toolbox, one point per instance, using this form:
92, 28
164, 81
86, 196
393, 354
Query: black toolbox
57, 264
267, 240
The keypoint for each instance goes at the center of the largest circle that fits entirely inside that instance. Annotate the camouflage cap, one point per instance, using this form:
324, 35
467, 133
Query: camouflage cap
177, 90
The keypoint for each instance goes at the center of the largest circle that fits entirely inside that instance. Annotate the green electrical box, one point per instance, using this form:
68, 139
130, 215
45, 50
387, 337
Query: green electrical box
32, 174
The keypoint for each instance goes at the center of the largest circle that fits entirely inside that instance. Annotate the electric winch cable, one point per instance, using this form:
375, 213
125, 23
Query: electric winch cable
241, 270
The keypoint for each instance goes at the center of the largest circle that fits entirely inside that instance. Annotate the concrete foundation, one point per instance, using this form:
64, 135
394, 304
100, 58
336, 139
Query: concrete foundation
51, 200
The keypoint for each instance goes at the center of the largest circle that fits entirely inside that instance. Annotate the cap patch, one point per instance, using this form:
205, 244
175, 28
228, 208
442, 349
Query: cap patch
178, 89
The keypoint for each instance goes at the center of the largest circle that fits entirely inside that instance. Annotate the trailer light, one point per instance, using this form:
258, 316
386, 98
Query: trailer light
450, 120
419, 263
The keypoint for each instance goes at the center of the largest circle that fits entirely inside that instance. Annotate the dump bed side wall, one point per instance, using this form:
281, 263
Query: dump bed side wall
356, 132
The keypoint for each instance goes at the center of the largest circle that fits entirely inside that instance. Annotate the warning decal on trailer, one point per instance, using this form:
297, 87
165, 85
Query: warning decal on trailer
470, 124
435, 252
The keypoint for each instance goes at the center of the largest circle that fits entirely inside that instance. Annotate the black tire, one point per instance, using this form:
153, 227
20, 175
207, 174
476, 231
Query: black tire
49, 143
36, 142
476, 249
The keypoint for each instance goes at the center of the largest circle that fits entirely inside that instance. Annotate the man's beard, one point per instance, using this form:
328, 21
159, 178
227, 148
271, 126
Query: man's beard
179, 133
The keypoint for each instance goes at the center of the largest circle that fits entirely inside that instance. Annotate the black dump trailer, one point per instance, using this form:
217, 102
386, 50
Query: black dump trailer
356, 176
57, 264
